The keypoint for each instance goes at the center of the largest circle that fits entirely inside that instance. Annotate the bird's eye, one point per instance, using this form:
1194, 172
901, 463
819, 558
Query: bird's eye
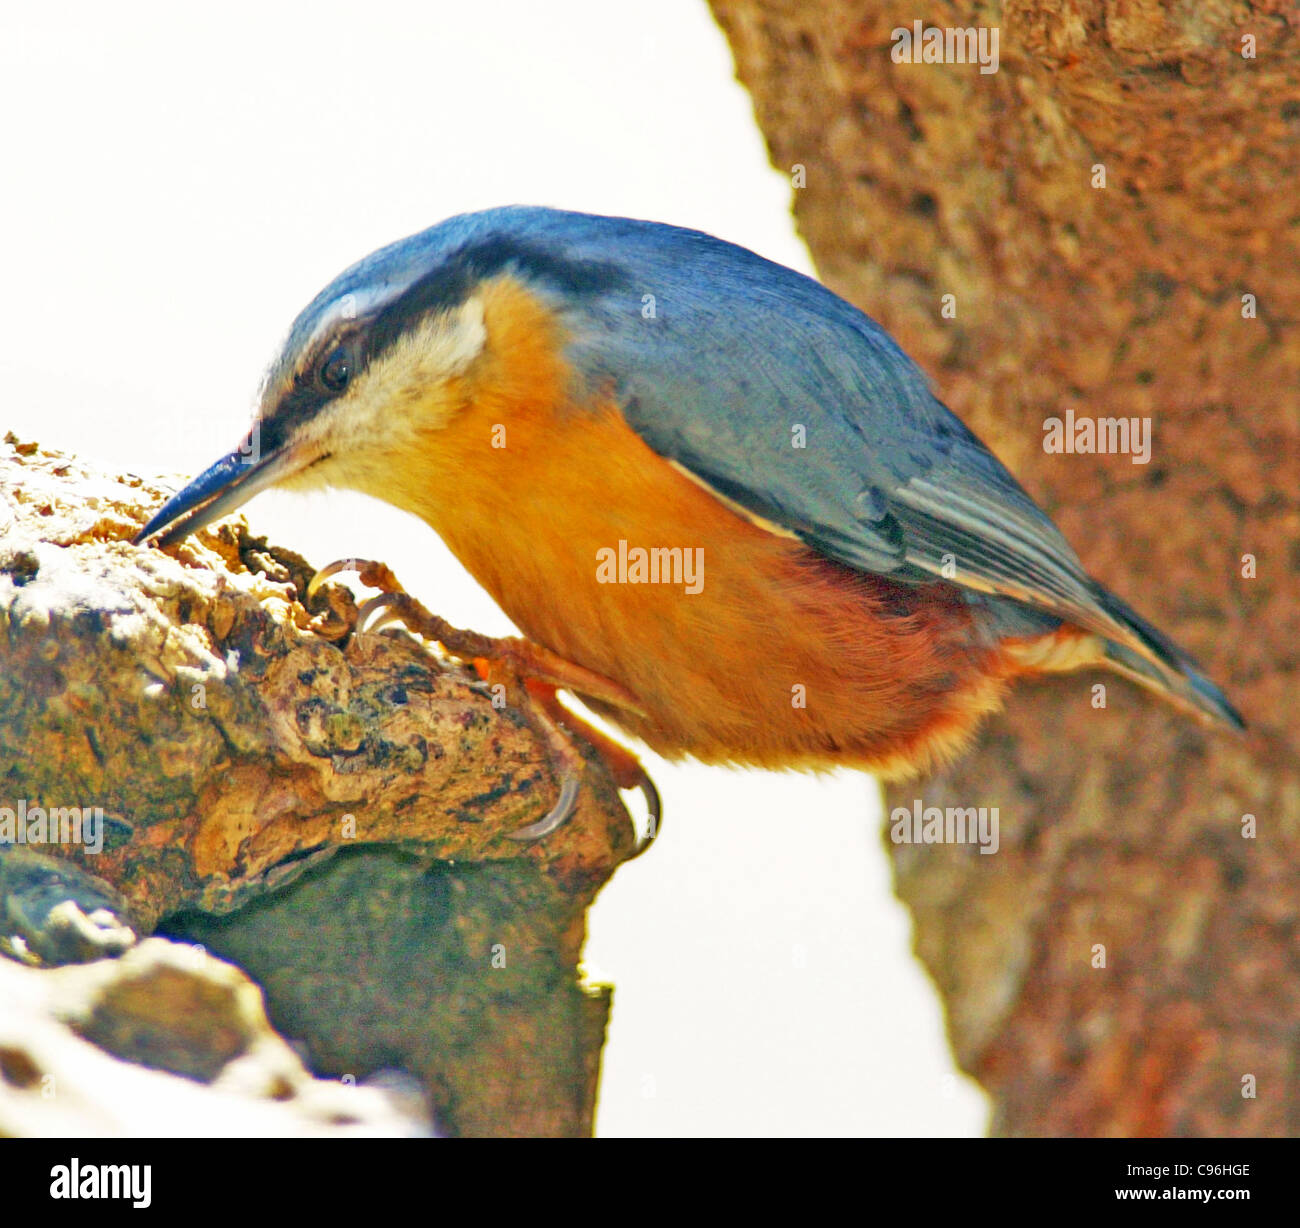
336, 370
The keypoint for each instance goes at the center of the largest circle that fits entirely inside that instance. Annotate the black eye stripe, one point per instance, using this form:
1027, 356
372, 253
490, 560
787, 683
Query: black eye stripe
452, 281
305, 388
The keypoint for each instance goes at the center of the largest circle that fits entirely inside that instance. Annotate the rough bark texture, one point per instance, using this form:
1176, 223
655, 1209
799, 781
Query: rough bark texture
237, 741
1122, 825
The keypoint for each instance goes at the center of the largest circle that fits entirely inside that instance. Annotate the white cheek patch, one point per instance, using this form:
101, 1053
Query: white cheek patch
444, 345
381, 411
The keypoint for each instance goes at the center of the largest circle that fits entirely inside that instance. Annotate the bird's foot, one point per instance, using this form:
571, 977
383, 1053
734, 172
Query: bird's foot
506, 662
626, 769
527, 660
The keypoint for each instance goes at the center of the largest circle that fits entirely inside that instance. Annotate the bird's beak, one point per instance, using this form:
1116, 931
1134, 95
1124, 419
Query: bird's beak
223, 487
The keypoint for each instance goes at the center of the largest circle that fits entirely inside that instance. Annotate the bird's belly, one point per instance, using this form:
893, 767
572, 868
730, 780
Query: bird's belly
813, 667
740, 644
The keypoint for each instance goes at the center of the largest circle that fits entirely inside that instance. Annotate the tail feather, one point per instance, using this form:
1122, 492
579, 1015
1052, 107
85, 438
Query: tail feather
1155, 661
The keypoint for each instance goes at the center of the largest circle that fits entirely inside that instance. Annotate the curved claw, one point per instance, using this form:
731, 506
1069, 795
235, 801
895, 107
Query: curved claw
328, 573
568, 767
370, 573
386, 605
655, 810
558, 816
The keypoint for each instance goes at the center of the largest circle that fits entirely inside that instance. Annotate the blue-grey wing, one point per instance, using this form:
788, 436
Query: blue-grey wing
804, 412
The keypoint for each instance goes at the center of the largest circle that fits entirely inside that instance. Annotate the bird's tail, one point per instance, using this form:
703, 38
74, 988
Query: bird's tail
1156, 662
1118, 638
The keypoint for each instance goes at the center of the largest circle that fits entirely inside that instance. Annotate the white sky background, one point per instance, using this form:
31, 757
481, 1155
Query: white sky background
177, 185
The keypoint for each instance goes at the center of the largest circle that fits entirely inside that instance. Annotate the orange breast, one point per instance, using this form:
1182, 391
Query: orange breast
779, 658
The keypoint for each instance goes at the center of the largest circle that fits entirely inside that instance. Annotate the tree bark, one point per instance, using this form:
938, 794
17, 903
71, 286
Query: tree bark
1124, 828
327, 809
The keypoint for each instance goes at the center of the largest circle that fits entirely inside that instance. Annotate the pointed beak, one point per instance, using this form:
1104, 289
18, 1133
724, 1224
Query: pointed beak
222, 488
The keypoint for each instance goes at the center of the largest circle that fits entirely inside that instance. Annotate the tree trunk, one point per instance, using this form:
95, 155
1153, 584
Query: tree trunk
1114, 213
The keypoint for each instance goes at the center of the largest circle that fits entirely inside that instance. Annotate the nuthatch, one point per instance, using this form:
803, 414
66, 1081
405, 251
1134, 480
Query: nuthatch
722, 504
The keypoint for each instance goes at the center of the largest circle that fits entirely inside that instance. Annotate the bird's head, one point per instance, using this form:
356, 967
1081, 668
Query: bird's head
388, 355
